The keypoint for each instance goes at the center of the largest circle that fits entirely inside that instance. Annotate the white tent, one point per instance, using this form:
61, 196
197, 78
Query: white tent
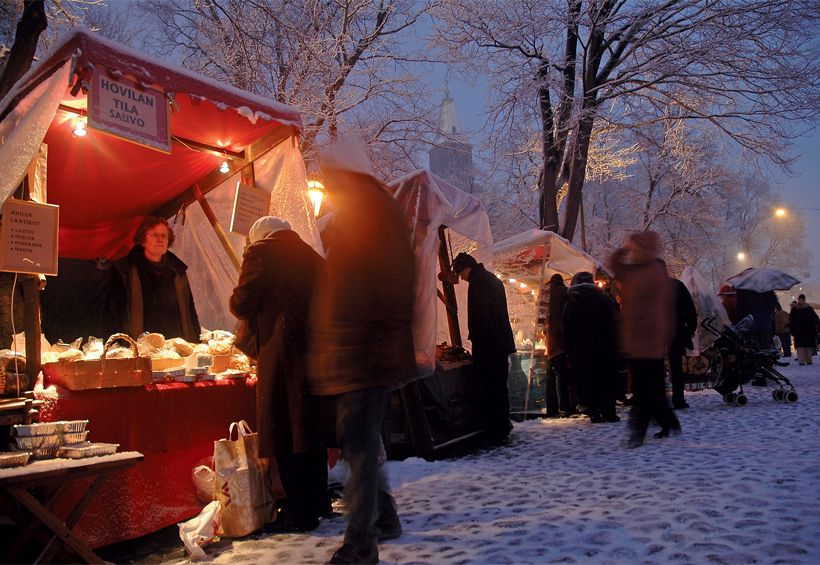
429, 202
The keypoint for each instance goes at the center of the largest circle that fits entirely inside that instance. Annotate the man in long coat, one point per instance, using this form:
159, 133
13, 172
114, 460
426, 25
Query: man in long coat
274, 295
490, 332
363, 341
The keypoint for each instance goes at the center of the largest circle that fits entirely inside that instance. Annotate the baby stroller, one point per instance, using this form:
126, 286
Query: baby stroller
741, 361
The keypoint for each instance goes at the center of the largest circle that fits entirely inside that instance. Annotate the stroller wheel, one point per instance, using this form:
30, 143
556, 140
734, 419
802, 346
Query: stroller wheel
741, 399
791, 396
729, 398
778, 394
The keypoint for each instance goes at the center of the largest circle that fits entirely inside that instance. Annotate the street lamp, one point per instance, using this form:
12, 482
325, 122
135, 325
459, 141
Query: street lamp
780, 212
316, 192
741, 256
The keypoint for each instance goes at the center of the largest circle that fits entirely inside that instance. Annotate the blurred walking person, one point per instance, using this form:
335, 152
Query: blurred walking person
647, 328
782, 329
363, 344
686, 318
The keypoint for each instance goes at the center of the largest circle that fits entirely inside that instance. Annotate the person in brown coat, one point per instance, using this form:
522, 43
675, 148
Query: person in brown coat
647, 329
363, 341
274, 294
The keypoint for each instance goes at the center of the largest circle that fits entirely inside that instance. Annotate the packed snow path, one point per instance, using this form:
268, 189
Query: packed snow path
740, 485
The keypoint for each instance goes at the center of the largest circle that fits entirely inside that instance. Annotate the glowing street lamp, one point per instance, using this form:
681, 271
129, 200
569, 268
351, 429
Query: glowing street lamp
80, 127
780, 212
316, 192
741, 256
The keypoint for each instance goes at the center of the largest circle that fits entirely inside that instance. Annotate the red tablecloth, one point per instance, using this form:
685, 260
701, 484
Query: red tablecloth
174, 426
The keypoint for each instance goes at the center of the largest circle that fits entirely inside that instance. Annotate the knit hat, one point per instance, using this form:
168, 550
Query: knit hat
346, 154
647, 245
267, 226
581, 278
462, 261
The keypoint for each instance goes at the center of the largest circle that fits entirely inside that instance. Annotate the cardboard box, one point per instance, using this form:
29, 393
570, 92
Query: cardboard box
83, 375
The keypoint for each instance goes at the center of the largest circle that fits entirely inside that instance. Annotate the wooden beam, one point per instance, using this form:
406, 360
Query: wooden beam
220, 233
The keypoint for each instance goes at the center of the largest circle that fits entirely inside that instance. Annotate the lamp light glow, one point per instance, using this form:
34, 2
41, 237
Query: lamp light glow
80, 127
316, 192
224, 167
780, 212
741, 255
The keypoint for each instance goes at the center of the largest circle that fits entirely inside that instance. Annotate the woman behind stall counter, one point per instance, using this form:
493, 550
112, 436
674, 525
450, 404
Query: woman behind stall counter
155, 294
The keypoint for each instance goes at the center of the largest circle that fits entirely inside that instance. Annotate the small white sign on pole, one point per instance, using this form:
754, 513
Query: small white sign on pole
249, 204
29, 237
125, 109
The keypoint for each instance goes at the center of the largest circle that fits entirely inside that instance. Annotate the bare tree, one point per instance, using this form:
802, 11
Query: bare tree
340, 61
565, 67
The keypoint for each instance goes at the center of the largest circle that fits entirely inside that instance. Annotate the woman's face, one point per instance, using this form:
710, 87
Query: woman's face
156, 242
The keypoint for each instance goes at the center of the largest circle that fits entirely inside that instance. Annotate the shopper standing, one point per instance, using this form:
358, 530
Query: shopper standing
803, 321
559, 378
686, 323
782, 330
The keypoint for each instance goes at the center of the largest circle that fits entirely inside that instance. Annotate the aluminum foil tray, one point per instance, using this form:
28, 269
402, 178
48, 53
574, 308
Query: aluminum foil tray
41, 429
87, 450
72, 426
41, 452
35, 442
14, 459
74, 437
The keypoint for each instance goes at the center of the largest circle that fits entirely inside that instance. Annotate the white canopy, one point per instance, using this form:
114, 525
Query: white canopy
429, 202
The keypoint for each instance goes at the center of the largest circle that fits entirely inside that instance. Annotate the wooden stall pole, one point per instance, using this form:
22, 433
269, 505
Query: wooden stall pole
220, 232
449, 291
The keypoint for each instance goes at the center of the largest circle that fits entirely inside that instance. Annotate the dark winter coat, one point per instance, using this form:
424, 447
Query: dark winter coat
556, 299
275, 290
647, 307
687, 316
155, 297
488, 322
364, 308
590, 323
803, 322
760, 305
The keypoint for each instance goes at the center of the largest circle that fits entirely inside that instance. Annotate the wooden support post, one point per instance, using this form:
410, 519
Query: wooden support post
448, 288
220, 233
30, 286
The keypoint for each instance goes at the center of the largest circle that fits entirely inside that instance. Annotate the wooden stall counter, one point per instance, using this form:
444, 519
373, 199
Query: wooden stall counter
174, 425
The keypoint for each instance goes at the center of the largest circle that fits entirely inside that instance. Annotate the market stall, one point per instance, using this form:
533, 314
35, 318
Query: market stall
110, 136
439, 409
524, 263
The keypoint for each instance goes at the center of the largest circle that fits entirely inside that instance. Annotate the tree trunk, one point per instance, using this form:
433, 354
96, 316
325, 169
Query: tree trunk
32, 23
548, 207
580, 155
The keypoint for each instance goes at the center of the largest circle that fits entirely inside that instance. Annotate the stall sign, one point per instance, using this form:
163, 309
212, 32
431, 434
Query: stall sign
249, 204
28, 237
126, 110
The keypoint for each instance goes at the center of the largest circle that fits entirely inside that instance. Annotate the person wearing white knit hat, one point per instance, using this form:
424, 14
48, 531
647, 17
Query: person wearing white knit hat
266, 226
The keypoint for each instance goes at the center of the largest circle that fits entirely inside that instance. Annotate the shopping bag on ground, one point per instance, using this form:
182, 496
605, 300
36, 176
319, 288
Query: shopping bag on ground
240, 483
198, 532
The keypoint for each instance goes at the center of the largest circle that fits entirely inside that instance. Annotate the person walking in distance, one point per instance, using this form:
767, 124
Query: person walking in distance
488, 324
362, 340
803, 321
782, 330
687, 322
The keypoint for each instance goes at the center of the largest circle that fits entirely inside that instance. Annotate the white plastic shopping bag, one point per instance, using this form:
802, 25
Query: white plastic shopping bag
198, 532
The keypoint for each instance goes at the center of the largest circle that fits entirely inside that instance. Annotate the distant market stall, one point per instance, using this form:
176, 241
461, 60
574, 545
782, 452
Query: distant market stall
110, 135
524, 263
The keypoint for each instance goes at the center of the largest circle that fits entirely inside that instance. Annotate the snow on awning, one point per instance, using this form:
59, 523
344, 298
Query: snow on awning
104, 185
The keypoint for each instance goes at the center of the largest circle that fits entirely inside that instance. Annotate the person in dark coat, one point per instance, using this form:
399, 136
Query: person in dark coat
488, 324
646, 330
782, 330
274, 295
590, 336
559, 378
804, 322
687, 322
760, 305
363, 340
154, 294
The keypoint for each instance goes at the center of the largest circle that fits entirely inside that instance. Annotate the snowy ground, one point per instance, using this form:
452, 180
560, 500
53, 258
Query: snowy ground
740, 485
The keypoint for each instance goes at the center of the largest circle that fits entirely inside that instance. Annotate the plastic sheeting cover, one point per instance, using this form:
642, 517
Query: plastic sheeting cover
429, 202
707, 305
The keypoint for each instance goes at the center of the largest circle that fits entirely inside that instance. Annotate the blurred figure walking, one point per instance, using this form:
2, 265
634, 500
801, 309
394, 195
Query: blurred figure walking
363, 343
782, 329
647, 328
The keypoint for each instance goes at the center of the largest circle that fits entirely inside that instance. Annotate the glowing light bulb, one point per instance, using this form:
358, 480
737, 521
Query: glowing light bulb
780, 212
523, 285
513, 281
224, 167
80, 127
316, 192
741, 256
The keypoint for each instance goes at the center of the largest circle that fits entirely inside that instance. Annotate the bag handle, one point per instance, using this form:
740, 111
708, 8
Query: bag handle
242, 429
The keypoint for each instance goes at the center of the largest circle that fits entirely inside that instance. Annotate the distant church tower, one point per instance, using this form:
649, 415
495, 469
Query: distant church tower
451, 157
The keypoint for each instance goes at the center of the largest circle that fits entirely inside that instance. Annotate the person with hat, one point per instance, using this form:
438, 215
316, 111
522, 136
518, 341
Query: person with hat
490, 333
363, 341
274, 296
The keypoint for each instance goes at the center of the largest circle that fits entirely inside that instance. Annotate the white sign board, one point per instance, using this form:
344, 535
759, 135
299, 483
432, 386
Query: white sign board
28, 237
249, 204
123, 108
